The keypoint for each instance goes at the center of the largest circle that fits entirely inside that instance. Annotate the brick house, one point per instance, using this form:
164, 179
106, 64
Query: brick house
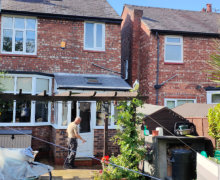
56, 46
167, 51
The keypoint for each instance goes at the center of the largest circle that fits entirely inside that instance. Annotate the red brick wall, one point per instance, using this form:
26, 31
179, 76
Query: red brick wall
73, 59
192, 72
99, 142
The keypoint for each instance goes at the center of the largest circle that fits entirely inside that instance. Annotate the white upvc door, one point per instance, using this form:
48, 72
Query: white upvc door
86, 110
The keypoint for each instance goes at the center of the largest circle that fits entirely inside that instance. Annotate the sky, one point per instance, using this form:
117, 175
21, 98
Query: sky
194, 5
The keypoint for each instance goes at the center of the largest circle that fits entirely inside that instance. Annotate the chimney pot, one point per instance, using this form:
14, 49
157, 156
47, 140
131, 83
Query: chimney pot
208, 8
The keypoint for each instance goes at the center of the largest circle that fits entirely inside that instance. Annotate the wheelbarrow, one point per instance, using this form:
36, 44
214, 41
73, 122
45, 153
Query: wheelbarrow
18, 164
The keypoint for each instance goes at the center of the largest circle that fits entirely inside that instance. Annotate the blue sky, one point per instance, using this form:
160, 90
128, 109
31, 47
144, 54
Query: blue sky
195, 5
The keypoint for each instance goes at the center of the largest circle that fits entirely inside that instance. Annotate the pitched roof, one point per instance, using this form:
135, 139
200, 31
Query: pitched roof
163, 19
149, 109
87, 8
189, 110
90, 81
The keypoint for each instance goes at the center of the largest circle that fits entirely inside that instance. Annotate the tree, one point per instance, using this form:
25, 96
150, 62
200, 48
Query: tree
214, 113
214, 124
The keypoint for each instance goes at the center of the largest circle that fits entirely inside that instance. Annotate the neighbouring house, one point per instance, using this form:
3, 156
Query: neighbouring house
197, 114
55, 46
167, 51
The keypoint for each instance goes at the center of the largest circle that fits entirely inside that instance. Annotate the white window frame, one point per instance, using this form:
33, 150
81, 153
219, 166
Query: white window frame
209, 96
24, 36
175, 100
111, 118
94, 35
172, 43
33, 107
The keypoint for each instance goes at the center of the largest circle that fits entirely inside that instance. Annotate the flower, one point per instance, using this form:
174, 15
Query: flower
100, 172
105, 158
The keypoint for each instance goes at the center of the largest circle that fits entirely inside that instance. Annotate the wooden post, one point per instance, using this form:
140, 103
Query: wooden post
105, 153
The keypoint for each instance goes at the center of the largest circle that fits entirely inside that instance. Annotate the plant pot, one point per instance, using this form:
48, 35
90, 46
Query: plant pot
123, 178
155, 133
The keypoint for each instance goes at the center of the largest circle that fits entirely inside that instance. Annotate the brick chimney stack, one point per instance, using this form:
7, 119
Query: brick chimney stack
208, 8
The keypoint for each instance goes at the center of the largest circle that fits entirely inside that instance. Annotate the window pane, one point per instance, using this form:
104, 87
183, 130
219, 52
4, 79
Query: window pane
23, 112
215, 98
19, 23
99, 35
55, 113
24, 83
101, 110
41, 112
116, 111
31, 23
64, 114
30, 41
189, 101
173, 52
180, 102
7, 40
7, 83
19, 41
6, 111
89, 35
171, 104
7, 22
42, 84
85, 114
173, 40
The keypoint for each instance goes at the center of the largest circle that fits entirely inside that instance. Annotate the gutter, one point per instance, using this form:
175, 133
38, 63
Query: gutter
170, 32
62, 16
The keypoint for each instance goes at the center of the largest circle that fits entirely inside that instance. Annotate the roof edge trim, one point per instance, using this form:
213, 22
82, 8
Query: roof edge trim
185, 32
61, 16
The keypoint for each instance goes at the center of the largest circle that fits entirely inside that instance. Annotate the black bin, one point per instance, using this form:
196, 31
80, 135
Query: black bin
182, 164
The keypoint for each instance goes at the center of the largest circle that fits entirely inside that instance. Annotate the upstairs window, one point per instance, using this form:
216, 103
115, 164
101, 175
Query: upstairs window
173, 49
18, 35
94, 36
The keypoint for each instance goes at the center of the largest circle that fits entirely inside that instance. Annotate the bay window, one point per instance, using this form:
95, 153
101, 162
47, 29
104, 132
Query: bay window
19, 112
19, 35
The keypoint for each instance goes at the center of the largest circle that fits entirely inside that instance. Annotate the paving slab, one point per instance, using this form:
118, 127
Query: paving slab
79, 173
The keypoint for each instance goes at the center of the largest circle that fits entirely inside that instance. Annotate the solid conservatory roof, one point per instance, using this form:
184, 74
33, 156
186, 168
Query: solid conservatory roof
91, 82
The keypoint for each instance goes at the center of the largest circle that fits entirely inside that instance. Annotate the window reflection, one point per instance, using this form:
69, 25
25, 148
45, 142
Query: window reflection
41, 112
103, 109
23, 111
6, 111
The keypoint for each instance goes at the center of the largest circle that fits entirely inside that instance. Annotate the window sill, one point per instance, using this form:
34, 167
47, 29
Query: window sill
173, 63
19, 55
94, 51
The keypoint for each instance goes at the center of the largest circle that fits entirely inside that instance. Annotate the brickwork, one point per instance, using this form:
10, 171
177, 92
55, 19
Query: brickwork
99, 142
51, 58
192, 72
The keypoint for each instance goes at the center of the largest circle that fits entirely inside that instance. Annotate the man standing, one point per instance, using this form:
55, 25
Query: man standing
73, 135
